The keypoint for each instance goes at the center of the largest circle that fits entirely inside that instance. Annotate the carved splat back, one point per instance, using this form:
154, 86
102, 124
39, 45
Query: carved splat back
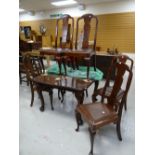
87, 19
32, 66
121, 69
127, 60
67, 29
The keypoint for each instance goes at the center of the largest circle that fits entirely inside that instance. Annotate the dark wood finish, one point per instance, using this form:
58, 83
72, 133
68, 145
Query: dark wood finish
98, 114
121, 59
25, 46
103, 61
66, 39
67, 52
67, 32
86, 18
22, 71
75, 85
34, 68
86, 31
73, 55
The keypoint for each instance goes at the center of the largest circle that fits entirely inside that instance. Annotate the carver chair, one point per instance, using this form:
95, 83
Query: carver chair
64, 39
121, 59
99, 114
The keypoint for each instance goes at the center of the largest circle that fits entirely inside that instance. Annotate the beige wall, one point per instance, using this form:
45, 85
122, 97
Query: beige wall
114, 30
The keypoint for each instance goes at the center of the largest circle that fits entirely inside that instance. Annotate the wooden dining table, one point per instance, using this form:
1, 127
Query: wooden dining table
67, 52
75, 85
86, 54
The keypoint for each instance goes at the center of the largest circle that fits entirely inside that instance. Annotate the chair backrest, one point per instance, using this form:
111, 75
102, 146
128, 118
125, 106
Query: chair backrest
67, 31
86, 18
127, 60
121, 70
32, 66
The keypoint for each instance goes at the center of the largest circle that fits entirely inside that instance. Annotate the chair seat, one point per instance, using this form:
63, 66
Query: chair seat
97, 114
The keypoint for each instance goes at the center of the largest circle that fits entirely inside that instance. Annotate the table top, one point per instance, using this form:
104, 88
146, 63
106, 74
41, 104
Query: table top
66, 51
64, 82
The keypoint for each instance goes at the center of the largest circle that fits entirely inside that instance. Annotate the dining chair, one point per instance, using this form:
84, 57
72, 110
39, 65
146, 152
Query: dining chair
64, 38
22, 71
99, 114
86, 31
34, 68
121, 59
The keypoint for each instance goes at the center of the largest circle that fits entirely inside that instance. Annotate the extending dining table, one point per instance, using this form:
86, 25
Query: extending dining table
65, 83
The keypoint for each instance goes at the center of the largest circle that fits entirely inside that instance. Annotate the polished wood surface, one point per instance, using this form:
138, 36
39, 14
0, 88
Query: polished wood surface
119, 59
29, 45
82, 40
87, 19
98, 114
67, 28
34, 68
67, 52
73, 55
64, 32
63, 83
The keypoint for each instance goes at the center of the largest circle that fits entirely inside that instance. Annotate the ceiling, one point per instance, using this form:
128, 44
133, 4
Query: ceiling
39, 5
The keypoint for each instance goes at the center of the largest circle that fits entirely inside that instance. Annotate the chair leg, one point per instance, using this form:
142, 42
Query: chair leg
118, 129
64, 64
32, 95
86, 92
94, 63
79, 120
94, 99
51, 98
76, 63
42, 63
20, 78
59, 64
62, 94
88, 68
72, 63
27, 83
92, 136
59, 91
125, 104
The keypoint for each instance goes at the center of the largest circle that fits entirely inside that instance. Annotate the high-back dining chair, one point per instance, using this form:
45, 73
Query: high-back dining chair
87, 19
83, 37
34, 68
121, 59
64, 37
22, 71
98, 114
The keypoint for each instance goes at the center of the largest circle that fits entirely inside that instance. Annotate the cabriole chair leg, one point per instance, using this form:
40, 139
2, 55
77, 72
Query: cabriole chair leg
78, 120
118, 129
51, 98
92, 136
32, 96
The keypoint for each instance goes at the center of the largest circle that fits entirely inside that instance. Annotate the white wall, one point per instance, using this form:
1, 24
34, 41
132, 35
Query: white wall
102, 8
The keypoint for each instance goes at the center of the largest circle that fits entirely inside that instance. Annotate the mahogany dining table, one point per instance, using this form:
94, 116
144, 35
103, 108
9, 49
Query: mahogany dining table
86, 54
75, 85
